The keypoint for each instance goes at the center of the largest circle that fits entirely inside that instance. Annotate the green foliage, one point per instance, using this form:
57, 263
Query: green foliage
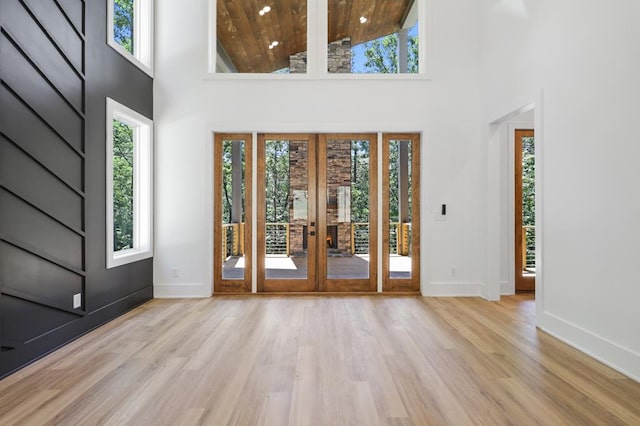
528, 182
277, 181
122, 186
393, 181
227, 181
382, 55
394, 190
528, 196
360, 181
123, 24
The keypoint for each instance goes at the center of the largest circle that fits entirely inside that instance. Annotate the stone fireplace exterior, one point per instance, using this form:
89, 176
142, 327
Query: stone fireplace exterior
339, 176
338, 58
298, 185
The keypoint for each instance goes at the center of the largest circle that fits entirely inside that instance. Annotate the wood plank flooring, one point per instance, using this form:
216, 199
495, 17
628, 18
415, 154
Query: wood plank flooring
314, 360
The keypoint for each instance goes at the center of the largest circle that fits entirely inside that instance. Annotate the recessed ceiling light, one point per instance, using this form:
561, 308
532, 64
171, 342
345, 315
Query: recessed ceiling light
264, 10
363, 19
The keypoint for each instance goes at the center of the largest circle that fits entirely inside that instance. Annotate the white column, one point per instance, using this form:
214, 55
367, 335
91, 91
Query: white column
236, 181
403, 51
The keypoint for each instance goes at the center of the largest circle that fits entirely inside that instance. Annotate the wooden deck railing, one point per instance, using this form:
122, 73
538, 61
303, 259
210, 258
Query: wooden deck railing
400, 238
278, 240
233, 239
359, 238
528, 247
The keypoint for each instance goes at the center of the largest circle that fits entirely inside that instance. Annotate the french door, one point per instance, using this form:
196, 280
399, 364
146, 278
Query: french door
317, 212
287, 236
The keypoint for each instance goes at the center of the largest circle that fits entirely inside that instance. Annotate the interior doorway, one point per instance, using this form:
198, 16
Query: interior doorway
524, 211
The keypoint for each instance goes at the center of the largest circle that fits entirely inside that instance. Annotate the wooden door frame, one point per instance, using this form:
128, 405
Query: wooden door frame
522, 283
401, 284
287, 285
348, 285
221, 285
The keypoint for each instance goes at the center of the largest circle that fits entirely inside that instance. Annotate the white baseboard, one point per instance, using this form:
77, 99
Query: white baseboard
177, 291
454, 289
609, 353
506, 289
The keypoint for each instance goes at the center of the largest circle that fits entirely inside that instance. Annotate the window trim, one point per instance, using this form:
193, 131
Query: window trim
142, 185
317, 49
143, 34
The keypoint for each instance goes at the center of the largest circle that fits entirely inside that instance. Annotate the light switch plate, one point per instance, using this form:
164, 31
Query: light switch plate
77, 300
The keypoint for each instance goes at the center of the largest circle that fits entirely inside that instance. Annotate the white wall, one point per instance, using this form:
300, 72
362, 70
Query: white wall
189, 106
584, 56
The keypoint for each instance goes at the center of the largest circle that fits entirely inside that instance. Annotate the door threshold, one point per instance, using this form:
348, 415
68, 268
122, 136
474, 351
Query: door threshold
322, 293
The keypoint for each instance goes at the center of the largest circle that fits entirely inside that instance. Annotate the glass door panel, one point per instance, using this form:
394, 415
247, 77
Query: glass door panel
347, 200
286, 215
525, 221
400, 154
232, 271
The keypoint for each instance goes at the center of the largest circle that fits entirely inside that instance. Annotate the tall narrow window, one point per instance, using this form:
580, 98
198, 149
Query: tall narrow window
232, 207
129, 183
130, 31
122, 185
401, 215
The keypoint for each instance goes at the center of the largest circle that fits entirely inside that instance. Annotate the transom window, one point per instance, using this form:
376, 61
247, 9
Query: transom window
255, 37
287, 37
376, 37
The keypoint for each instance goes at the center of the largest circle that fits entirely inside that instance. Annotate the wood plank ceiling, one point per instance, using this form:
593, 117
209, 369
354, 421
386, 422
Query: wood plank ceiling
245, 35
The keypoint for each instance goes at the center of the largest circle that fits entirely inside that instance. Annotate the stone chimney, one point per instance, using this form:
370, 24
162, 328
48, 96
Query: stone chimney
339, 58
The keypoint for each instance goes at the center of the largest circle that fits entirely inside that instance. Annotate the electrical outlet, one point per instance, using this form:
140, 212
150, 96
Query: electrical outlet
77, 300
453, 272
175, 273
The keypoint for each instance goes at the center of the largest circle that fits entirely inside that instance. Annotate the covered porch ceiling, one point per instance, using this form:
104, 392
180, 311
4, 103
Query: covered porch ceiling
245, 35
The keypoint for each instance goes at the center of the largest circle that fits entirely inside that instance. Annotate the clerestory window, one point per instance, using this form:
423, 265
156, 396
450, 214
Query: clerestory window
276, 37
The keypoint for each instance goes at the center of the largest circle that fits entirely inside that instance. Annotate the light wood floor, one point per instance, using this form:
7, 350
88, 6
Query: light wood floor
318, 361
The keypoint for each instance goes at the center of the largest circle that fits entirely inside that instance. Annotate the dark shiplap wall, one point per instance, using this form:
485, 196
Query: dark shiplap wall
56, 71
